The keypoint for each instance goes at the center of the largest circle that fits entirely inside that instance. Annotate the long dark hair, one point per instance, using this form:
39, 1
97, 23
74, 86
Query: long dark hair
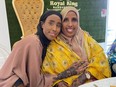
44, 40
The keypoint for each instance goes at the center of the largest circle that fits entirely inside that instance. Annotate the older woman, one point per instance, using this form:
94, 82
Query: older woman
75, 54
23, 66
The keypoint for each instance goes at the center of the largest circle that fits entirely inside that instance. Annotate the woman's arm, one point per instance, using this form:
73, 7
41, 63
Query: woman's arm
82, 79
75, 69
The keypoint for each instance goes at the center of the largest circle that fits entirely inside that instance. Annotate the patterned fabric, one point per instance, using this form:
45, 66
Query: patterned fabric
60, 57
112, 56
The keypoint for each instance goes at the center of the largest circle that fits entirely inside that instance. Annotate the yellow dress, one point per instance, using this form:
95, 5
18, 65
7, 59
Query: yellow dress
60, 57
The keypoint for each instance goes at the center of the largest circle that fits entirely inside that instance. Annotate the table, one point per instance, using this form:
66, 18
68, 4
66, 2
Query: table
108, 82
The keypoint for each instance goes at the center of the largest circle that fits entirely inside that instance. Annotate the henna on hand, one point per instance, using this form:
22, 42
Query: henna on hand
62, 84
82, 65
76, 68
67, 73
80, 80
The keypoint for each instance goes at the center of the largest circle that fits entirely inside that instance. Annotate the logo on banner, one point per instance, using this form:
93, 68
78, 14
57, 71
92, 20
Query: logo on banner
60, 4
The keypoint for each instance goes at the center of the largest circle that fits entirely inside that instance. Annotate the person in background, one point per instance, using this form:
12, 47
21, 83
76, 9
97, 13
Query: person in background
112, 58
23, 66
74, 56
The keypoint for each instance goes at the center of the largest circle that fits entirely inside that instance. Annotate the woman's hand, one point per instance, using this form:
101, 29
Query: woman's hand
61, 84
75, 69
80, 66
83, 78
49, 80
80, 80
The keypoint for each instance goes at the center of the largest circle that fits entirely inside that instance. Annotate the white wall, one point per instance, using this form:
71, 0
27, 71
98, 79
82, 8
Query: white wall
103, 46
5, 47
111, 24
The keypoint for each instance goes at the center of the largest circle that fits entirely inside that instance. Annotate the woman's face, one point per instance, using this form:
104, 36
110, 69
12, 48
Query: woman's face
70, 24
52, 26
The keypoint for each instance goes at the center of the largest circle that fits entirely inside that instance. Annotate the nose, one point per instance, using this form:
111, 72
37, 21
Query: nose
70, 23
54, 28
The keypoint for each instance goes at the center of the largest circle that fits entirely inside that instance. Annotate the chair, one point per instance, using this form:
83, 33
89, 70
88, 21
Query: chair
28, 13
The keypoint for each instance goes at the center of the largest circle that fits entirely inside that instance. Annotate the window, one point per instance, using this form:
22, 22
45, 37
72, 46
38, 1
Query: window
111, 23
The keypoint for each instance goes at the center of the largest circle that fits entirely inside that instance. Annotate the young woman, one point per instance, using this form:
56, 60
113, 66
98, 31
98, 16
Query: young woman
23, 66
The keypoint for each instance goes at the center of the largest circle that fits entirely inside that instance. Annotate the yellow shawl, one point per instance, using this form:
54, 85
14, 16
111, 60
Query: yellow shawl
60, 57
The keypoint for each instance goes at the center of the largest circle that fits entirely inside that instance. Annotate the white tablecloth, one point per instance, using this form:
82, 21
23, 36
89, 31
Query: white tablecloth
108, 82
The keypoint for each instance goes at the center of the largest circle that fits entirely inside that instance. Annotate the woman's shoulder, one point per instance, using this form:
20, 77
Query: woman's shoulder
86, 33
28, 40
88, 36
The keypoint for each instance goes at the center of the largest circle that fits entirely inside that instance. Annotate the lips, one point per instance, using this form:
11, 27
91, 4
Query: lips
70, 30
53, 34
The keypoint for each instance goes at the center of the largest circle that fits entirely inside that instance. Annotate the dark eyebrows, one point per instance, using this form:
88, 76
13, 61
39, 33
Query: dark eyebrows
59, 23
54, 21
75, 19
65, 19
